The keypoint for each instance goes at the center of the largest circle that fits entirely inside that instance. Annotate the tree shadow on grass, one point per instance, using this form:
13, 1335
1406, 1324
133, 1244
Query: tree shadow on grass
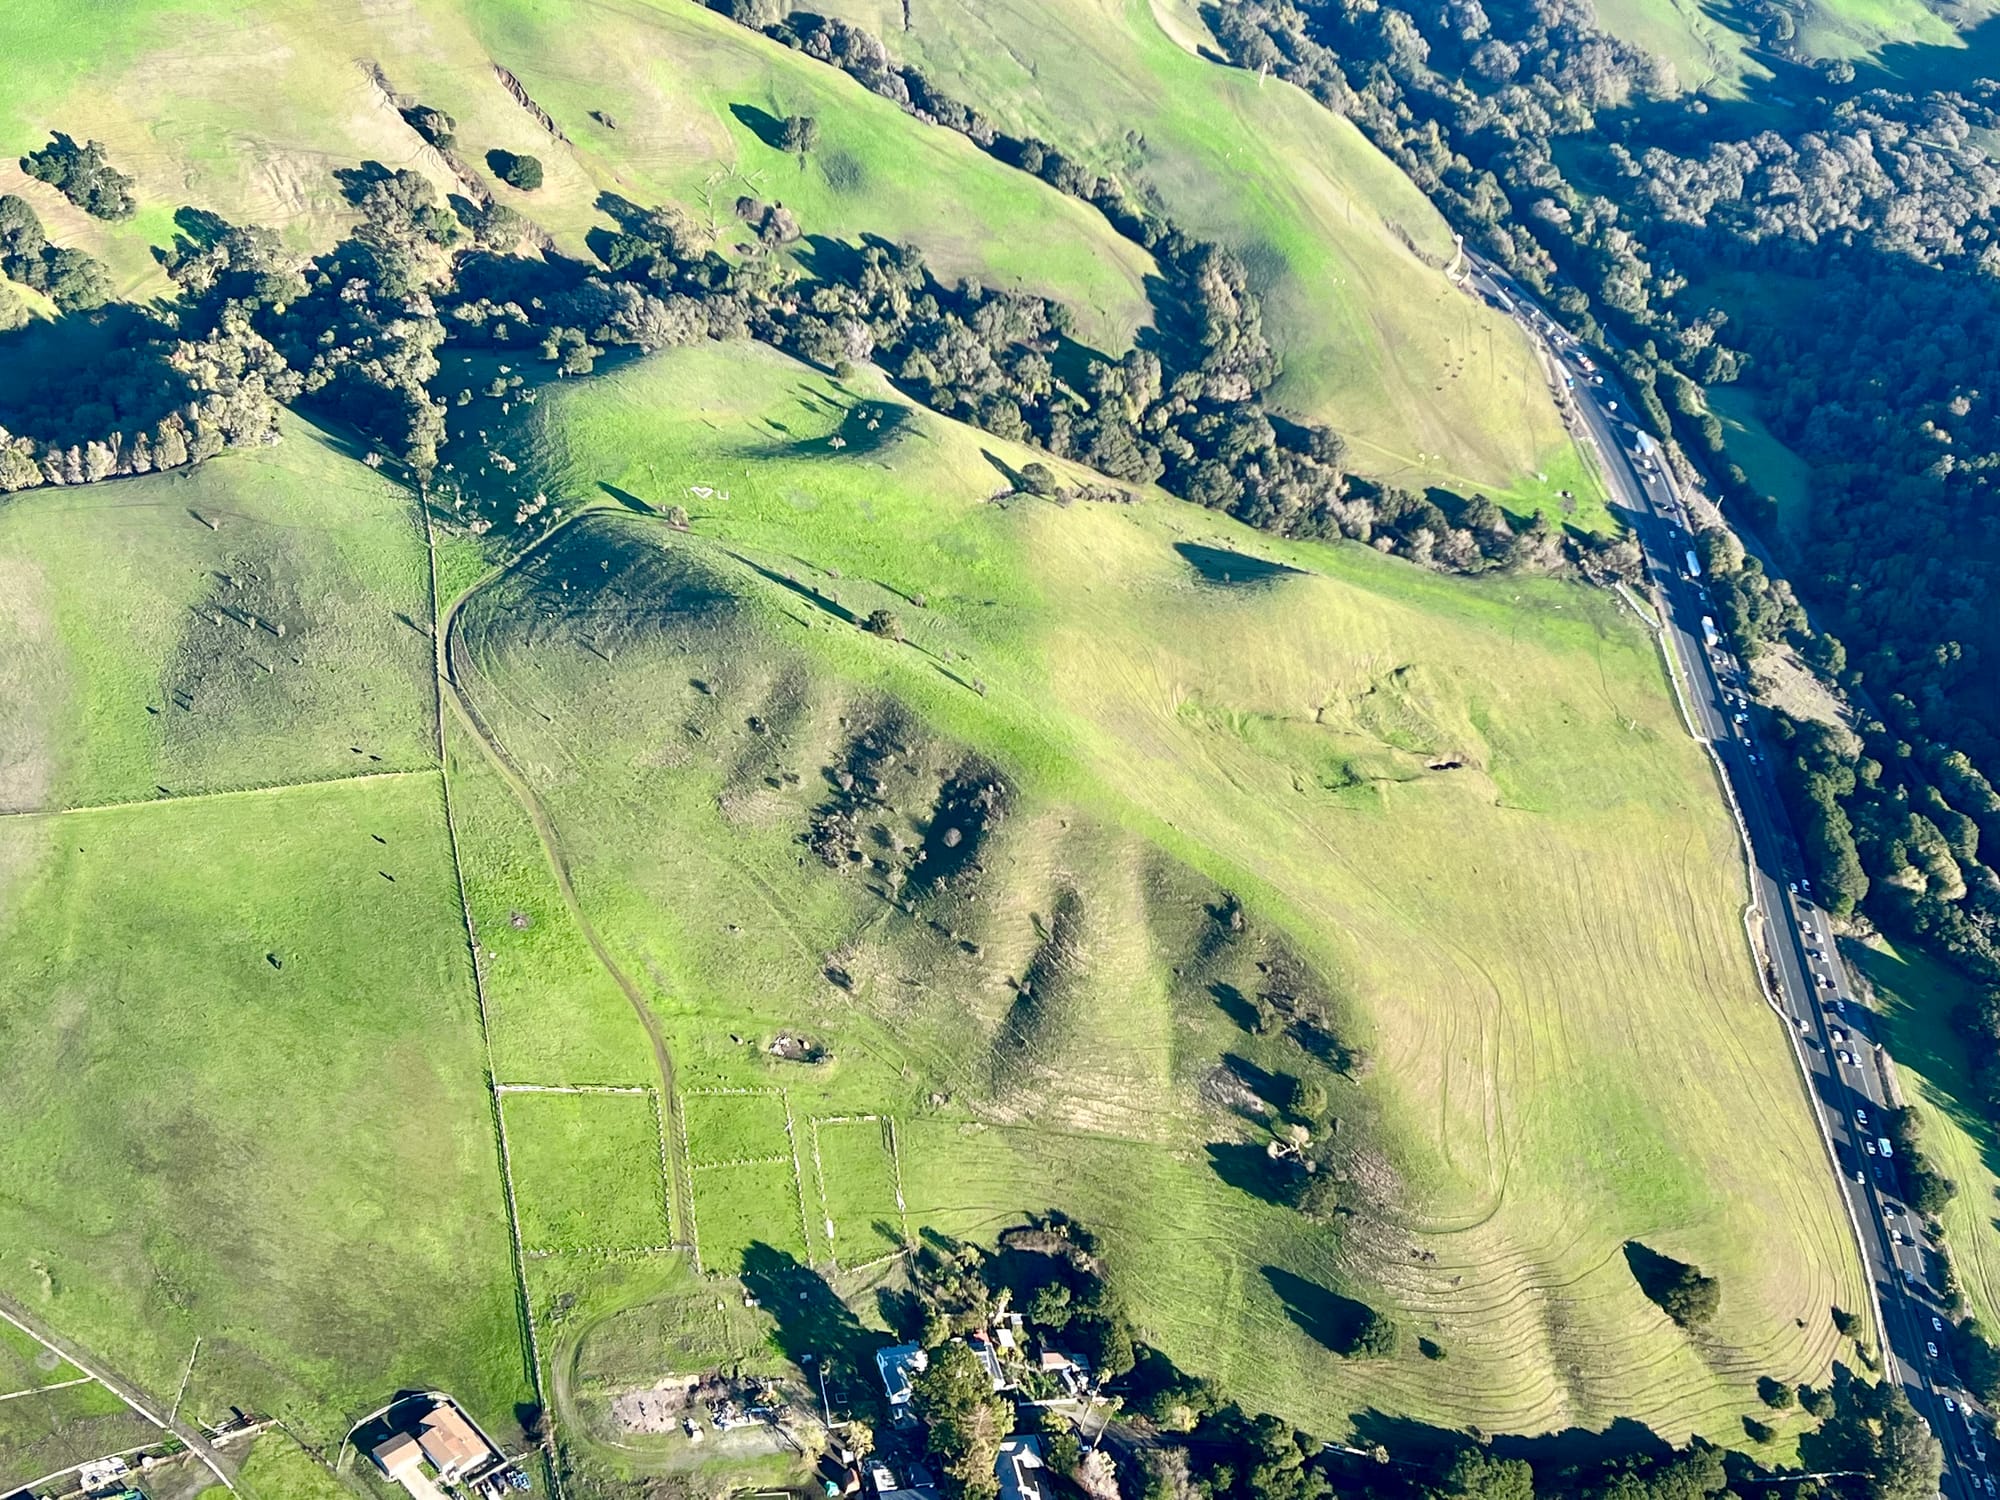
1249, 1169
761, 123
1656, 1273
816, 1330
1235, 1006
1322, 1314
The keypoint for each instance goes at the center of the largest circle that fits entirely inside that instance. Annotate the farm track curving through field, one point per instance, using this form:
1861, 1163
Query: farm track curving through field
450, 657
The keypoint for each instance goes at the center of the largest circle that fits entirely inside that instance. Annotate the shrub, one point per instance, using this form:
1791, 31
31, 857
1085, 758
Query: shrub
1678, 1289
522, 172
1375, 1337
1774, 1393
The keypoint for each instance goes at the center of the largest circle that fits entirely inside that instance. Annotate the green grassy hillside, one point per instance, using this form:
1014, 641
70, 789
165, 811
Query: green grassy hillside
248, 1109
1428, 386
1916, 997
257, 622
1714, 48
241, 1039
1538, 948
248, 112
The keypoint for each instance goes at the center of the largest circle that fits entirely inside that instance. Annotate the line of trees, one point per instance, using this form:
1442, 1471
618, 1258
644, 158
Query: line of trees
355, 332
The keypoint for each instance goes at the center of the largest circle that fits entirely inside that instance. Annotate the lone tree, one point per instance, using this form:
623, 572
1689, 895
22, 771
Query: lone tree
799, 134
522, 172
1678, 1289
883, 622
1038, 478
967, 1423
1375, 1337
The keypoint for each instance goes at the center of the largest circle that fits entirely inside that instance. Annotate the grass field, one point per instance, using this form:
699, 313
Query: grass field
236, 109
1428, 386
724, 1128
556, 1017
252, 622
587, 1171
1773, 468
248, 1108
854, 1172
279, 1469
1916, 997
53, 1430
26, 1365
743, 1206
1539, 950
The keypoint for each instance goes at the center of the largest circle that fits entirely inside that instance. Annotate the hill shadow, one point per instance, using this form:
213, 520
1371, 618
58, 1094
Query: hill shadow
1933, 1049
1549, 1453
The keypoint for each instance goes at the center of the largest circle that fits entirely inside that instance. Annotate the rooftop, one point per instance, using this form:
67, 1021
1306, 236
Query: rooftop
1021, 1470
450, 1442
899, 1365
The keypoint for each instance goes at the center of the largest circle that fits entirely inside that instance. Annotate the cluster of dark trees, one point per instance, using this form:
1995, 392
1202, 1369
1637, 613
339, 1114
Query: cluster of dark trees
1866, 226
135, 390
72, 279
84, 175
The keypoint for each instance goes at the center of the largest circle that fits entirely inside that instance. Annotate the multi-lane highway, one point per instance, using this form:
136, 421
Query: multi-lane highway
1832, 1033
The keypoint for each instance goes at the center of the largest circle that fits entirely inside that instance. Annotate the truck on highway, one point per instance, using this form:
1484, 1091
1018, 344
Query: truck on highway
1694, 564
1708, 629
1583, 363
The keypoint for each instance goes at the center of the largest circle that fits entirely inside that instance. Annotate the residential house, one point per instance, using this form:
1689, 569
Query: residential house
900, 1365
1022, 1474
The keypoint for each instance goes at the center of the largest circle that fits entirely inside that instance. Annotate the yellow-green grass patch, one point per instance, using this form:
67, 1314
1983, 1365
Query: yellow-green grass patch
279, 1469
254, 621
861, 1208
736, 1127
747, 1214
556, 1016
587, 1171
248, 1103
